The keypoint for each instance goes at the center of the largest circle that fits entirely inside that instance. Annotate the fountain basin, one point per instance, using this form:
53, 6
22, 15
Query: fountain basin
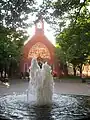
63, 107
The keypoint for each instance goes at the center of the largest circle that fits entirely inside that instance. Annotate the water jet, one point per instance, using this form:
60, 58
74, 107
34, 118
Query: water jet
41, 83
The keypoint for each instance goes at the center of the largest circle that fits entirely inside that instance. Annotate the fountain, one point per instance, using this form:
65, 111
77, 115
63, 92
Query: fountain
39, 102
41, 83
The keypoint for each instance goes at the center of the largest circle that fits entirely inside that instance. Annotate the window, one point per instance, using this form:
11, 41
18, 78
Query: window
39, 49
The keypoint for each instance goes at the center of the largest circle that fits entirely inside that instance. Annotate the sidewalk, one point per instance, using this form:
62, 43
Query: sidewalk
72, 88
61, 87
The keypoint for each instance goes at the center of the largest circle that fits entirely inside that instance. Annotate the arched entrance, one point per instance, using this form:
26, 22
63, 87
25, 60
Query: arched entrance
39, 50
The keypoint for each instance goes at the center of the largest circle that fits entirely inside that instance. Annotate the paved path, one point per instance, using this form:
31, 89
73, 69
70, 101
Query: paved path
72, 88
62, 87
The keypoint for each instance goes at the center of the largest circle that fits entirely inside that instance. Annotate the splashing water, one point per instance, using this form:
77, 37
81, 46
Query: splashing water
41, 83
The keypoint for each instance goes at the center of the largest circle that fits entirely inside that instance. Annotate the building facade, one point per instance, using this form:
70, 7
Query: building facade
41, 48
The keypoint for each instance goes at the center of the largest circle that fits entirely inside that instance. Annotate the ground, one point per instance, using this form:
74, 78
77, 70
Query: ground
61, 86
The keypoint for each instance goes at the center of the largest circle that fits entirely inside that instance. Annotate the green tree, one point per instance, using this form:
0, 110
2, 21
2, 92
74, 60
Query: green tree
68, 10
13, 13
74, 42
59, 12
11, 42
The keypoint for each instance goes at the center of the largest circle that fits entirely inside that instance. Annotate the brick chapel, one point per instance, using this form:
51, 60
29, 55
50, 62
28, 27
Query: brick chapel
41, 48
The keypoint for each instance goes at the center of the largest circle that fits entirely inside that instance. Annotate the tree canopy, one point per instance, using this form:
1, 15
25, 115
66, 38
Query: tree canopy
13, 13
11, 43
74, 40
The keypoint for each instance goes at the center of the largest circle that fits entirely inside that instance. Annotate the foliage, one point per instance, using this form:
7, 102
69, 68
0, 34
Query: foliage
11, 42
68, 10
74, 41
13, 13
60, 13
60, 54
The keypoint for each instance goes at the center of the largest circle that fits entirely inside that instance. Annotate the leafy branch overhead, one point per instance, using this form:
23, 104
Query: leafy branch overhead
13, 13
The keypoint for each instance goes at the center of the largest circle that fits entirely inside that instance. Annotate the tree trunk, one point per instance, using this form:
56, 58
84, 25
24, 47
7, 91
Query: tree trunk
1, 72
10, 70
65, 70
5, 70
80, 70
74, 70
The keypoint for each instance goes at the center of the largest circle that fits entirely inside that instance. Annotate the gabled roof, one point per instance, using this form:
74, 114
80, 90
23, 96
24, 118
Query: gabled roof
39, 34
35, 38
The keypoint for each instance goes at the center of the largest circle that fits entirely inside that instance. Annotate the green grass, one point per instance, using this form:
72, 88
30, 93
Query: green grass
70, 77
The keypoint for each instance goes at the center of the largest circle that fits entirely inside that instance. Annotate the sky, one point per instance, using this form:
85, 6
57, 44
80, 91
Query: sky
47, 31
